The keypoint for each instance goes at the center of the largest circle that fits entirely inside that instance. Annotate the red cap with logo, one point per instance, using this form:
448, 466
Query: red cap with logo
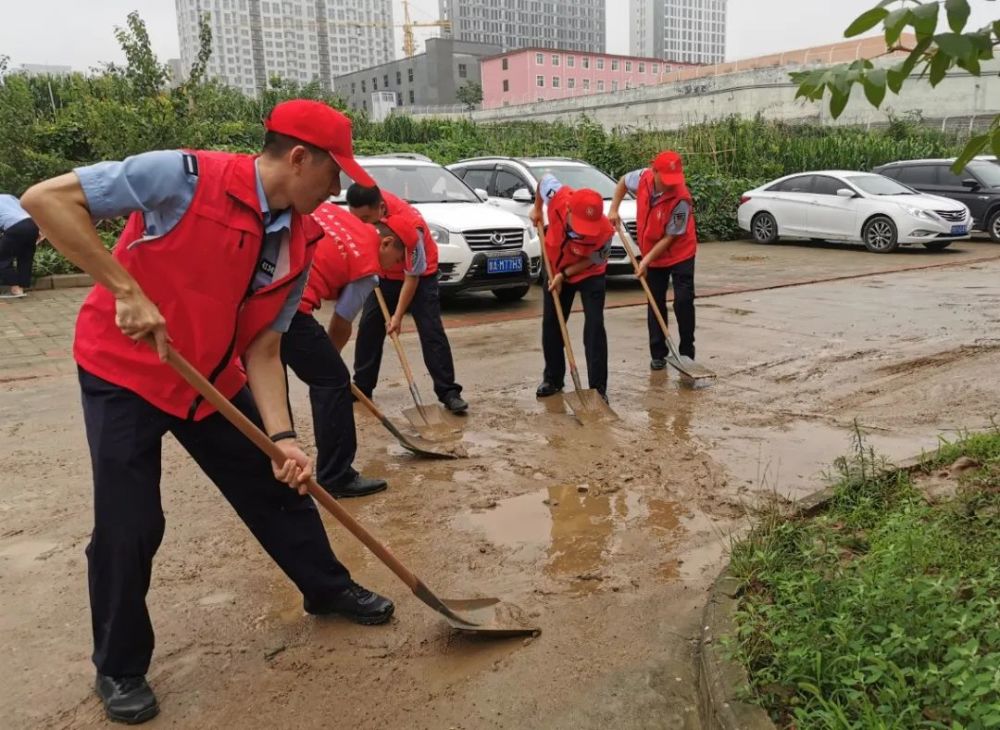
321, 126
669, 168
404, 226
587, 209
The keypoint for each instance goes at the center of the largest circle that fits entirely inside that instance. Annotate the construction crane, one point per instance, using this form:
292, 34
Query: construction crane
409, 44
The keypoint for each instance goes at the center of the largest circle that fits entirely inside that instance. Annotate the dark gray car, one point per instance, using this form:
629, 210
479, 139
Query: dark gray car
978, 186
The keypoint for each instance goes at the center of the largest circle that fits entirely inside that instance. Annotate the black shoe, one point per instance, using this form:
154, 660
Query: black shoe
657, 363
358, 487
547, 389
126, 699
356, 603
686, 352
454, 403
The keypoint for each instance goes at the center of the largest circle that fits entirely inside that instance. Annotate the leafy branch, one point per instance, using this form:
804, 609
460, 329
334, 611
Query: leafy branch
933, 56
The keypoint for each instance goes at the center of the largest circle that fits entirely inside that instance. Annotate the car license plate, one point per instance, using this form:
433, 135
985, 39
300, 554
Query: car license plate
504, 265
959, 230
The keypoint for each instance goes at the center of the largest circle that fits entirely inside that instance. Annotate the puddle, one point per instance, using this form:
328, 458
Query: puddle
575, 533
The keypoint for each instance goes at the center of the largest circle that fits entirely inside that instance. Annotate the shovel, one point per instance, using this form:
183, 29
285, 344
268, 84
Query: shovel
417, 445
429, 421
680, 363
486, 616
587, 404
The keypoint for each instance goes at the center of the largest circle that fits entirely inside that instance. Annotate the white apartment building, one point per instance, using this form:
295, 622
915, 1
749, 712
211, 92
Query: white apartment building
570, 25
691, 31
298, 40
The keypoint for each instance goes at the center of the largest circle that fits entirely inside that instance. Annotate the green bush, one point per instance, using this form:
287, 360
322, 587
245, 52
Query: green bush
51, 125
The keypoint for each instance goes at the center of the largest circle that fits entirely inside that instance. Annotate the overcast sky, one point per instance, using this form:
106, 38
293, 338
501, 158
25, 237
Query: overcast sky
80, 34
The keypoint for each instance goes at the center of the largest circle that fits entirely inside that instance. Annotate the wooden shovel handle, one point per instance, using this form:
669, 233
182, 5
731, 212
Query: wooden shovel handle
559, 310
626, 241
395, 341
232, 414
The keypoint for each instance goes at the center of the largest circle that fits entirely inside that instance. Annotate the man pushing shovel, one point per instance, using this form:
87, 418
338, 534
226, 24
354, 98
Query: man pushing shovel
668, 243
212, 262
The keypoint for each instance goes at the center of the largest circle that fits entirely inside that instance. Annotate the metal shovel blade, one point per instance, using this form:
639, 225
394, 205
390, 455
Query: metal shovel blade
429, 449
589, 407
486, 616
685, 365
432, 423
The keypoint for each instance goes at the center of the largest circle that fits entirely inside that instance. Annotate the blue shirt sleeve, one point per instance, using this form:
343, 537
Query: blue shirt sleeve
417, 264
158, 184
283, 321
632, 181
548, 186
352, 297
679, 219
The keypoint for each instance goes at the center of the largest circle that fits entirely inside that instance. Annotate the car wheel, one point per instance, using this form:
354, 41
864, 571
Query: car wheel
880, 235
764, 228
937, 245
993, 227
511, 295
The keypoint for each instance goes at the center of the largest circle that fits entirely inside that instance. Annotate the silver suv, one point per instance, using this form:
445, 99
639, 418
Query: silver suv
510, 184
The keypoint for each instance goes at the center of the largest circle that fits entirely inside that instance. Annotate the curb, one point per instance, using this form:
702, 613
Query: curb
723, 683
63, 281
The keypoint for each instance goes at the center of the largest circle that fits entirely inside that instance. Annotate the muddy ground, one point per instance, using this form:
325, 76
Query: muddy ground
605, 536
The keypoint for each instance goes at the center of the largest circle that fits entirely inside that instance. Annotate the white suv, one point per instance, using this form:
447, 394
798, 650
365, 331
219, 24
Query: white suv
480, 248
510, 183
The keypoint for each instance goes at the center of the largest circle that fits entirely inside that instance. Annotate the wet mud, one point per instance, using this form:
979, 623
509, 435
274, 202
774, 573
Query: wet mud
605, 535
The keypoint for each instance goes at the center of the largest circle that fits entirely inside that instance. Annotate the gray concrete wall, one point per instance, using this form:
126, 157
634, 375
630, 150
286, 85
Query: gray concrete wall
768, 92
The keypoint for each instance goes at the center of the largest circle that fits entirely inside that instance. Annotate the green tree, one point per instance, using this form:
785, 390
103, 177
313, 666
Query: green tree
933, 55
197, 71
470, 94
142, 70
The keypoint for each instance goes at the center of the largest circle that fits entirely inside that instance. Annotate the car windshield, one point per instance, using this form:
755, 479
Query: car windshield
879, 185
578, 176
988, 172
422, 183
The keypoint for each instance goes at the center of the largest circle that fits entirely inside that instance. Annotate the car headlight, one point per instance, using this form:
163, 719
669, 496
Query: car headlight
438, 233
918, 213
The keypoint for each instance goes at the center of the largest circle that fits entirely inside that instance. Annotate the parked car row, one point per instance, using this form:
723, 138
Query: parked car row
899, 204
477, 211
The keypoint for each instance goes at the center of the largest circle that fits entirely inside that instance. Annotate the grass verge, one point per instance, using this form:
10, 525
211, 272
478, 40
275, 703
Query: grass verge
884, 611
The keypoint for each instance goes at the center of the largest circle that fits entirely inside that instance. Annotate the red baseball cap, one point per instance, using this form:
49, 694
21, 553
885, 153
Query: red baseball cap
321, 126
669, 167
405, 227
587, 207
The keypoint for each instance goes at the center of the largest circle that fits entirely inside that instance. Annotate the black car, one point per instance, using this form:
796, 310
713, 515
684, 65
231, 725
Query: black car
978, 186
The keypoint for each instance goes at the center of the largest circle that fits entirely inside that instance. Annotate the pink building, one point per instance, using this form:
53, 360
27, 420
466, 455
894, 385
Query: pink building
528, 75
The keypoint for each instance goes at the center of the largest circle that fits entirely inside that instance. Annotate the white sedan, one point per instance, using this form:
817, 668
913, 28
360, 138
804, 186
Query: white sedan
834, 205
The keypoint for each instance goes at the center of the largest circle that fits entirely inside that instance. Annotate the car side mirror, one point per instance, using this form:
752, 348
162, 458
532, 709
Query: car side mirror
970, 183
522, 195
482, 194
846, 193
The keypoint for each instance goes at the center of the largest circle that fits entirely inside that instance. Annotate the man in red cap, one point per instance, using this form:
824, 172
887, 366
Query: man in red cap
212, 261
411, 286
577, 244
345, 270
668, 243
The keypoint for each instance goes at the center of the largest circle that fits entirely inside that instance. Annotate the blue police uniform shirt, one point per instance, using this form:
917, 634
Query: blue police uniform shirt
678, 216
548, 186
352, 297
11, 212
161, 186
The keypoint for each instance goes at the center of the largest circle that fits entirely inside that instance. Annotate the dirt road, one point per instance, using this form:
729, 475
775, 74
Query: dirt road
607, 536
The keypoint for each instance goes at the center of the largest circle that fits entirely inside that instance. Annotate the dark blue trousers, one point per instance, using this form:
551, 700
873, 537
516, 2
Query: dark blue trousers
124, 433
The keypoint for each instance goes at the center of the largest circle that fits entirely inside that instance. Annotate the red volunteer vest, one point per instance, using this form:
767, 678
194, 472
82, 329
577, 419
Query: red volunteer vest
348, 252
199, 276
653, 219
563, 251
395, 205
